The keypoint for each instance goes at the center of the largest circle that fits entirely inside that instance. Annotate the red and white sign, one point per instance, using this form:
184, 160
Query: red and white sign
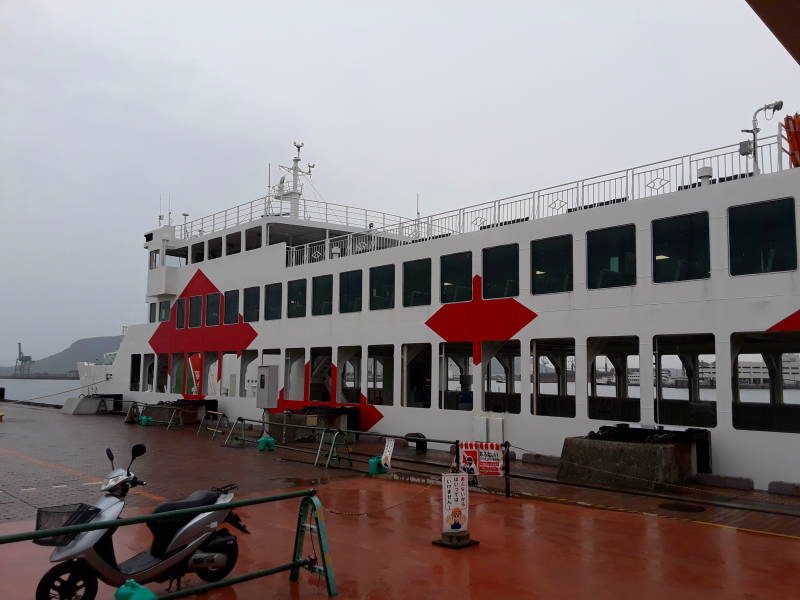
481, 458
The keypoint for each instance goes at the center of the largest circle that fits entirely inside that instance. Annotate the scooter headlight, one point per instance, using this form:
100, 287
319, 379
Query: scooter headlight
111, 482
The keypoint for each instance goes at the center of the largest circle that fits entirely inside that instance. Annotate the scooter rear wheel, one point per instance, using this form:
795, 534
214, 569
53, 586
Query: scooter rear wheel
70, 580
219, 573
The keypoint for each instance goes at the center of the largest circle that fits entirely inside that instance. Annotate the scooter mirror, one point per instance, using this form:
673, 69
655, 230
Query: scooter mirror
138, 450
110, 456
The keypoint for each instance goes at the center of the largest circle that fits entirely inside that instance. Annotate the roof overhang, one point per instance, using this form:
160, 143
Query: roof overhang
782, 18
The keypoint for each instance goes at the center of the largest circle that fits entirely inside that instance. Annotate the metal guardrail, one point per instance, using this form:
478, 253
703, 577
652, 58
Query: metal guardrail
310, 502
280, 206
645, 181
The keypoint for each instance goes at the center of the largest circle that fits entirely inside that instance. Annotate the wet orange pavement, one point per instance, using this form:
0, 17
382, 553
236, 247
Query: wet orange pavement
381, 531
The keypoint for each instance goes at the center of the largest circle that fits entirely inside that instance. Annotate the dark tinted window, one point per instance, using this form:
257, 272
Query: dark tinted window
322, 295
611, 257
551, 265
198, 252
296, 298
762, 237
252, 238
350, 291
381, 287
180, 313
231, 307
214, 248
233, 243
680, 248
272, 301
252, 298
212, 309
501, 271
153, 312
456, 277
195, 311
417, 282
163, 310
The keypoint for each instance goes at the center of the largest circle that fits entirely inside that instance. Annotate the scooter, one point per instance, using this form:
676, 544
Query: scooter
193, 543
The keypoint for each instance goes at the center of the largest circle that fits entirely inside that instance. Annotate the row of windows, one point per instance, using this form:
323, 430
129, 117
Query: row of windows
761, 240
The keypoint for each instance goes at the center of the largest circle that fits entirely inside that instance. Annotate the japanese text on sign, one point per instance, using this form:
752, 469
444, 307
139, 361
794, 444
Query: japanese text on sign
481, 458
455, 502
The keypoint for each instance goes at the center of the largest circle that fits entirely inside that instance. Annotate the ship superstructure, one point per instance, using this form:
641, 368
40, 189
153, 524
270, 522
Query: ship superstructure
529, 319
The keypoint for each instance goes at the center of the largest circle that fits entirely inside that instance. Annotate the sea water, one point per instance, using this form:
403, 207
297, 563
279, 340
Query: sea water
46, 391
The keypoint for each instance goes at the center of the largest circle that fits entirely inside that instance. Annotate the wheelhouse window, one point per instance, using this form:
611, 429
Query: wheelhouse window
233, 243
381, 287
180, 313
611, 257
195, 311
212, 309
231, 316
322, 295
177, 257
417, 282
501, 271
551, 265
153, 312
350, 291
681, 248
252, 300
456, 277
154, 259
296, 298
214, 248
163, 310
252, 238
762, 237
272, 301
198, 252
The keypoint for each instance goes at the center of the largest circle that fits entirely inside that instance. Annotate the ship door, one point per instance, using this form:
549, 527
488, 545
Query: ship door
267, 387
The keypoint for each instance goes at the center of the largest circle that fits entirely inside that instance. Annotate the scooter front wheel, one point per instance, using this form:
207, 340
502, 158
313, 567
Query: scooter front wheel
70, 580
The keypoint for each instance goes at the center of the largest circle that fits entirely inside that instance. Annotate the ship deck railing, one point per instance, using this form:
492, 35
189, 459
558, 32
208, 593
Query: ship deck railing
645, 181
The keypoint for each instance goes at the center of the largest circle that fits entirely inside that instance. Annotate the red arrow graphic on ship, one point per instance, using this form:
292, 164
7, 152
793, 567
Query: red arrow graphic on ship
480, 320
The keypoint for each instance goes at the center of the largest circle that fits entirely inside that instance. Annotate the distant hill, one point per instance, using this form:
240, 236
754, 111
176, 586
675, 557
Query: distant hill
87, 349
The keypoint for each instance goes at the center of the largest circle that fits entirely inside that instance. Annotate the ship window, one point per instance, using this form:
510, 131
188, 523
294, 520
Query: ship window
349, 372
380, 375
554, 384
231, 307
613, 382
163, 310
296, 298
195, 311
233, 243
294, 372
417, 282
684, 378
322, 295
611, 257
136, 372
762, 237
680, 248
455, 359
551, 265
252, 238
272, 301
381, 287
162, 372
180, 313
416, 375
320, 381
350, 291
198, 252
501, 369
177, 257
212, 309
153, 312
252, 299
214, 248
154, 262
456, 276
501, 271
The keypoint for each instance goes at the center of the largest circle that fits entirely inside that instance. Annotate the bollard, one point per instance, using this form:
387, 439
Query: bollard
376, 466
266, 443
131, 590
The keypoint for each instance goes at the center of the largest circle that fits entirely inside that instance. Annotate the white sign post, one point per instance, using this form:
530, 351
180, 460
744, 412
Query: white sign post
455, 512
386, 457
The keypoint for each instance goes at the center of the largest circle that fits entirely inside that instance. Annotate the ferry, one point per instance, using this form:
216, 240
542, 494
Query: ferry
498, 321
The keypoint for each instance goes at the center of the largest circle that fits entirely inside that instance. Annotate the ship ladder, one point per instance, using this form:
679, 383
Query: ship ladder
338, 439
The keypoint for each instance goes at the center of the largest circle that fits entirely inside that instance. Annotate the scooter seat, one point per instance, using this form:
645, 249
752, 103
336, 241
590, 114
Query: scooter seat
164, 530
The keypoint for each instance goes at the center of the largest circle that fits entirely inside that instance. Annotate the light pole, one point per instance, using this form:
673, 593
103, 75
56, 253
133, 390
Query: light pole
774, 107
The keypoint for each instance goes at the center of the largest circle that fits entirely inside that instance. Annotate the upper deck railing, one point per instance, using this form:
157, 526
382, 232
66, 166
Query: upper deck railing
645, 181
283, 206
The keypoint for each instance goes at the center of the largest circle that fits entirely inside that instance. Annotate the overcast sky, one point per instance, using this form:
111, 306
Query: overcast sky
106, 105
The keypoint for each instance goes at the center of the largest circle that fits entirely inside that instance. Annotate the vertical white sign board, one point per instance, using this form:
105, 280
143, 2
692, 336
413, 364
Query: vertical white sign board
455, 503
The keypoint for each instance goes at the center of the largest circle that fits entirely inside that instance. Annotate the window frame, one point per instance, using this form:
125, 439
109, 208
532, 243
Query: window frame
192, 313
360, 289
653, 246
441, 276
252, 318
375, 269
483, 271
793, 203
418, 261
315, 283
180, 311
267, 287
226, 305
208, 312
304, 281
635, 269
571, 264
